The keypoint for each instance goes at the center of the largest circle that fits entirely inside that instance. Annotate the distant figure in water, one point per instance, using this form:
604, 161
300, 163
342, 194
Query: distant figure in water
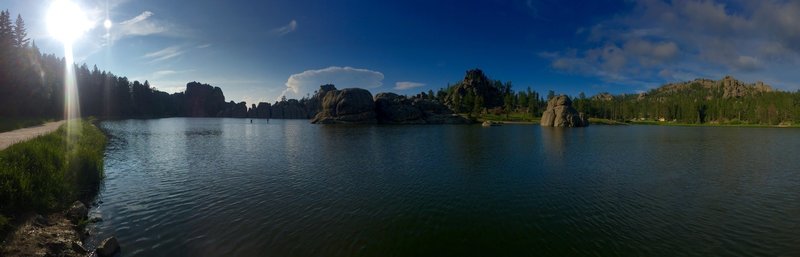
251, 121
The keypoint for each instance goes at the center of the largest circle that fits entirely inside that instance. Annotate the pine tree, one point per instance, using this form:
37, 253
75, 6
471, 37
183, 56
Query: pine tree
20, 35
6, 31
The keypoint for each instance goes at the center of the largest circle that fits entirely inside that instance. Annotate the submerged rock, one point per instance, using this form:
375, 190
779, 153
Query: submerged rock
560, 113
108, 247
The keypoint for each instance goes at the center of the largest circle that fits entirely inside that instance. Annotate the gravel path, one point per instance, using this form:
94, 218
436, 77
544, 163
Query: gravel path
12, 137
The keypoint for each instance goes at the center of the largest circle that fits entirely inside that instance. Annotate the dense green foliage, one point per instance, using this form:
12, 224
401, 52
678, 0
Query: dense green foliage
697, 102
53, 170
696, 105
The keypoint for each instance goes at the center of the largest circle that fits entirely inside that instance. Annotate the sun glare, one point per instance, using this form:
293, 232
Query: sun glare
66, 21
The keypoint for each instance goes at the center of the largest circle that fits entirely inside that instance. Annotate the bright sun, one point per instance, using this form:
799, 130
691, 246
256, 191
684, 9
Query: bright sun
66, 21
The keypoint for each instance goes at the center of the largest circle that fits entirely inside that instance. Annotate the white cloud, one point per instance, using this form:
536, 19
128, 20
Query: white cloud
300, 84
664, 41
143, 25
405, 85
164, 54
292, 26
166, 73
203, 46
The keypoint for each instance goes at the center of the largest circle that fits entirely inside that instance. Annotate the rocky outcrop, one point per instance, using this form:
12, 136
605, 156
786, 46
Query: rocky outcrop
396, 109
477, 84
314, 104
203, 100
605, 96
262, 110
234, 110
289, 109
349, 105
727, 87
732, 88
559, 113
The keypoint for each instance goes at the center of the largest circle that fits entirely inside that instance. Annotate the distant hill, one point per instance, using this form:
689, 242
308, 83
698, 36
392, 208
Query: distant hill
727, 100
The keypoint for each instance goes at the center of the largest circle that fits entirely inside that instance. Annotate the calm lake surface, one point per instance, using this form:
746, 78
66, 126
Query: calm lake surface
226, 187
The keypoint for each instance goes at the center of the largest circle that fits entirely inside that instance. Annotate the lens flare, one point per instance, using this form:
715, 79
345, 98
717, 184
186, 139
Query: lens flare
67, 22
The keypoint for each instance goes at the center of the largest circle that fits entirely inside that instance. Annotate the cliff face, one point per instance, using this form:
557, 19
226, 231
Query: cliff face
203, 100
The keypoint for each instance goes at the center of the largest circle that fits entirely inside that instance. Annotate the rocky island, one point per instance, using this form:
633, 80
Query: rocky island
560, 113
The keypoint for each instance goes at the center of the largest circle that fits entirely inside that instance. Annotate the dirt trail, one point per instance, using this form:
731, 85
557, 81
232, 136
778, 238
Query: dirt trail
20, 135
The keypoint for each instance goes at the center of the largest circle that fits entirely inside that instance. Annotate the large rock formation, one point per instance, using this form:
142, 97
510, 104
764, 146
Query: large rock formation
396, 109
289, 109
559, 113
314, 104
234, 110
477, 84
262, 110
349, 105
203, 100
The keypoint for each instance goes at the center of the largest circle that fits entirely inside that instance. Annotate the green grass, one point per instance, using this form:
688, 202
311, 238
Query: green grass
9, 124
51, 171
712, 124
513, 117
599, 121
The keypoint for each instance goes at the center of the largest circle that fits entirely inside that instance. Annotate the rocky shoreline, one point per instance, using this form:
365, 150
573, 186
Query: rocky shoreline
56, 234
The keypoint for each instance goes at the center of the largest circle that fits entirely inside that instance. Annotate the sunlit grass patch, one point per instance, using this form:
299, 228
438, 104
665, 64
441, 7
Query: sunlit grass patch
49, 172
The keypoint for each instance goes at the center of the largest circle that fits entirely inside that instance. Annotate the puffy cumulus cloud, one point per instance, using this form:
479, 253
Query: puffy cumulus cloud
661, 41
405, 85
305, 83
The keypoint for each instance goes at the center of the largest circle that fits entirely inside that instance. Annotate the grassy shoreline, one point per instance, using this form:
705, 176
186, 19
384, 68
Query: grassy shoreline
526, 120
47, 173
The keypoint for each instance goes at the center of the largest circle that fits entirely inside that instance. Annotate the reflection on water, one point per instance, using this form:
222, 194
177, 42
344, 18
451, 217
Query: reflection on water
226, 187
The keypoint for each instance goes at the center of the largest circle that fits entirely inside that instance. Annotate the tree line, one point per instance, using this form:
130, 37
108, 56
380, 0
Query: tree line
32, 85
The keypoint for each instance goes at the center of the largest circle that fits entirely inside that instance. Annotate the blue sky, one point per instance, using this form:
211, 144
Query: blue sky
260, 50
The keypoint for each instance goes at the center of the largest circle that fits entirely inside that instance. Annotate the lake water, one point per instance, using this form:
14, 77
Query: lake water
226, 187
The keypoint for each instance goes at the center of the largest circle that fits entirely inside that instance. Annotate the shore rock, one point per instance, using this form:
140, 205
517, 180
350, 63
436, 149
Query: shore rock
396, 109
560, 113
108, 247
349, 105
77, 211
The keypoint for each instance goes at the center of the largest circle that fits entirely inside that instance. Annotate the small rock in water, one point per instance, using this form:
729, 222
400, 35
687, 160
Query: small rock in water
77, 211
108, 247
